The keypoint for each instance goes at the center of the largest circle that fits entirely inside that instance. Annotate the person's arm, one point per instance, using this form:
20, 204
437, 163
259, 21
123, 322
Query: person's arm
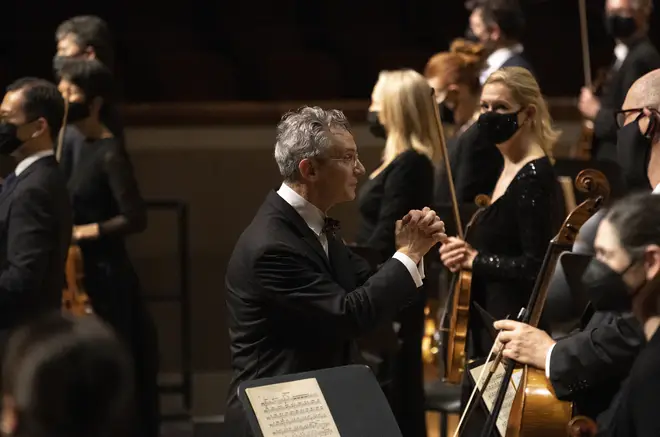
534, 218
594, 355
29, 244
304, 296
124, 186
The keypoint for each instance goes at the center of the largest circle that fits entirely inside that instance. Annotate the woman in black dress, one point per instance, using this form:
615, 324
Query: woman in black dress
402, 105
508, 241
107, 206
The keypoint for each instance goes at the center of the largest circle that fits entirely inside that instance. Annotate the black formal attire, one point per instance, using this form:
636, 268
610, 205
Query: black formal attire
636, 412
405, 184
292, 307
35, 234
519, 60
642, 58
511, 236
103, 190
476, 164
514, 57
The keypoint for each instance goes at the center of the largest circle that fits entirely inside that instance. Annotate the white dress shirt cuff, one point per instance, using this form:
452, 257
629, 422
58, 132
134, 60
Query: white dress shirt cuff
547, 361
417, 272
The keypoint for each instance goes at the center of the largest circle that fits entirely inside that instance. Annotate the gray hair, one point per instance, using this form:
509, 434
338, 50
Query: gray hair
303, 134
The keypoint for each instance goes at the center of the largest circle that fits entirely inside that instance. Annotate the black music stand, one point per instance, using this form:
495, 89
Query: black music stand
612, 171
567, 297
357, 403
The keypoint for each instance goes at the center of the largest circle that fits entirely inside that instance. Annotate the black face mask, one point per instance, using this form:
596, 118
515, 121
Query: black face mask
470, 36
77, 111
620, 27
498, 128
375, 126
446, 114
634, 152
9, 140
606, 288
58, 62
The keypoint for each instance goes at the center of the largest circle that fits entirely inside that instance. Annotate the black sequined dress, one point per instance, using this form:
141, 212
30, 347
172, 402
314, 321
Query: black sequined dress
511, 237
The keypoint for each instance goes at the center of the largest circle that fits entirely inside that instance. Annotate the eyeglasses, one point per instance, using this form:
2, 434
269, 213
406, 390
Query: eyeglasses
350, 160
622, 115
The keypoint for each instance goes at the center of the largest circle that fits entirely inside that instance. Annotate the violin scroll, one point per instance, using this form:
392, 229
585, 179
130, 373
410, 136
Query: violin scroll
482, 200
581, 426
593, 182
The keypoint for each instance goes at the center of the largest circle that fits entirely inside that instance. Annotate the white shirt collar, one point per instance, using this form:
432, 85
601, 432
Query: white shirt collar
656, 190
313, 216
620, 53
25, 163
496, 59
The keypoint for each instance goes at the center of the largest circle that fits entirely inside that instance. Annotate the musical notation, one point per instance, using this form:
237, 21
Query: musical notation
292, 409
490, 393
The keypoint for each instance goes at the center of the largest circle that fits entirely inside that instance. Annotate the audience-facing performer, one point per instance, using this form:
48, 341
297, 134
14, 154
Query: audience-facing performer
297, 297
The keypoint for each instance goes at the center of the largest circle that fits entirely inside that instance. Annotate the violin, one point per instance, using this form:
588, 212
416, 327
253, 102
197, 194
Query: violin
581, 426
75, 299
536, 411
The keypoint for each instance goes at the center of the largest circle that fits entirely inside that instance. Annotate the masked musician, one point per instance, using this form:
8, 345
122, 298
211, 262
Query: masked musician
498, 25
509, 239
628, 23
107, 206
35, 211
588, 367
475, 162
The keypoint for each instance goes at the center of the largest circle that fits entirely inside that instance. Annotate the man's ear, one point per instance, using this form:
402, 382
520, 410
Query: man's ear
652, 261
90, 53
96, 105
42, 127
495, 32
307, 169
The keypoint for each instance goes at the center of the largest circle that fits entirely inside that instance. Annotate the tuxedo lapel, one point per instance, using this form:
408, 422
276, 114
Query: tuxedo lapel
299, 224
342, 269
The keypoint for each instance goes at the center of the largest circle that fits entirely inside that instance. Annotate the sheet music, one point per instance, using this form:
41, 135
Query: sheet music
490, 395
292, 409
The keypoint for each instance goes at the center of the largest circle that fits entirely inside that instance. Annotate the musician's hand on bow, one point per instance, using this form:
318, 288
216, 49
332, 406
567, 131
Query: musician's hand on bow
523, 343
589, 104
456, 254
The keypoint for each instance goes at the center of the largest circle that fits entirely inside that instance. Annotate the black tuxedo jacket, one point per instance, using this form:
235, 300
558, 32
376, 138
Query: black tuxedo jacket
291, 309
519, 60
642, 58
35, 233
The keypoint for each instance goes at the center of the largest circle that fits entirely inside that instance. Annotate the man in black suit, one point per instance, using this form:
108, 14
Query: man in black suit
590, 366
635, 55
498, 25
297, 297
35, 213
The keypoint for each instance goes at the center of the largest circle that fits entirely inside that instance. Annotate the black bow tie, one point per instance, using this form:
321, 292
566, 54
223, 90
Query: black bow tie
330, 226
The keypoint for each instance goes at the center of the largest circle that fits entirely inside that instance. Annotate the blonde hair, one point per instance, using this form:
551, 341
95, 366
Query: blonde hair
408, 114
460, 65
526, 92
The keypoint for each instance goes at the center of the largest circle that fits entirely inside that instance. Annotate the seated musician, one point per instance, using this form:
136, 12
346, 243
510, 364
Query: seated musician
66, 376
475, 163
628, 23
588, 367
498, 25
508, 241
297, 297
403, 181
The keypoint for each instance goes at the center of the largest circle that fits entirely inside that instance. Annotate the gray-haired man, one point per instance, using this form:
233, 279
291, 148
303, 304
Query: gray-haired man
297, 298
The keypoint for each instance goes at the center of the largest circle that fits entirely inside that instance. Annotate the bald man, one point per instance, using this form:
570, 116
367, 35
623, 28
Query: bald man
589, 367
627, 22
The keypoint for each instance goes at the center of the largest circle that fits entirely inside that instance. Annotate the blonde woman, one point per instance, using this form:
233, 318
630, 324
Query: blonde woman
508, 241
404, 111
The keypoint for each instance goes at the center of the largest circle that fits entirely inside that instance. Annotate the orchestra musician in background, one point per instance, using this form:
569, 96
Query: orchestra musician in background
475, 162
108, 206
628, 23
35, 211
403, 181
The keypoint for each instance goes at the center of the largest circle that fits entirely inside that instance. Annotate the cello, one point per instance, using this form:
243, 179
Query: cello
75, 299
536, 411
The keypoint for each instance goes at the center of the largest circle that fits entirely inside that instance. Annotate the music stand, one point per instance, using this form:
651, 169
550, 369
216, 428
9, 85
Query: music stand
354, 398
567, 298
